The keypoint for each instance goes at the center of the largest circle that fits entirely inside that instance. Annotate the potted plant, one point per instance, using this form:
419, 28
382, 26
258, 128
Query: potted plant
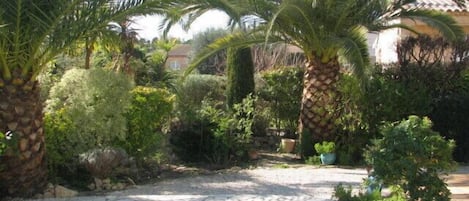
327, 152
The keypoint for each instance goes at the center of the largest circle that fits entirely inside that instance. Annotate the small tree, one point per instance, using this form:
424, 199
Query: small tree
412, 156
240, 75
214, 64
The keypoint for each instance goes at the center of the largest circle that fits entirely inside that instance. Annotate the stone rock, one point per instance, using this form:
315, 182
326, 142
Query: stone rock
57, 191
62, 192
98, 184
106, 162
92, 186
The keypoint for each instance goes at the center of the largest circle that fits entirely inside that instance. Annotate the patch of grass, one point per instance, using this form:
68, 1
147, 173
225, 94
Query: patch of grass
313, 160
281, 166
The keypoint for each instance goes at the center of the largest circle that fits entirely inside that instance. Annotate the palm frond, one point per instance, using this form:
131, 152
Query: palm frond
355, 50
443, 23
235, 40
34, 32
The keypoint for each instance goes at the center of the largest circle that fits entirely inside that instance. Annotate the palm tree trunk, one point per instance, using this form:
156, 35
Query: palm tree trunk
319, 101
23, 171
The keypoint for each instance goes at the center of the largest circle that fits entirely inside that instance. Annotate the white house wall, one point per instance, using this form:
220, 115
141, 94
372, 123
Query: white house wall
385, 46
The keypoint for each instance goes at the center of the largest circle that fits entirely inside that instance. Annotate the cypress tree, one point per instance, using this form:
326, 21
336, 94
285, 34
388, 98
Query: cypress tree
240, 73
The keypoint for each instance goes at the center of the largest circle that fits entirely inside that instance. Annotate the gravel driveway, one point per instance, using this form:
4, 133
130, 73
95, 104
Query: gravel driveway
260, 184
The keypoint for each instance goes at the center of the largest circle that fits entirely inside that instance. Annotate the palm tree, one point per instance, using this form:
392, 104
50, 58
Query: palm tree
325, 30
127, 38
32, 33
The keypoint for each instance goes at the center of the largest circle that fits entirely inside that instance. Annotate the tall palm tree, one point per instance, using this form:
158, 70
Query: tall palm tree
325, 30
32, 33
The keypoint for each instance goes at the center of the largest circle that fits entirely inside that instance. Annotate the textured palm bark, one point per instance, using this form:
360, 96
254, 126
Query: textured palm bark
320, 98
22, 167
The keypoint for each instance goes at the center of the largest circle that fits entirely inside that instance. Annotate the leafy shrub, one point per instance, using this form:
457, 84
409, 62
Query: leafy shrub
440, 92
388, 99
61, 145
149, 110
218, 136
313, 160
412, 156
282, 90
345, 194
324, 147
85, 110
192, 142
195, 89
450, 116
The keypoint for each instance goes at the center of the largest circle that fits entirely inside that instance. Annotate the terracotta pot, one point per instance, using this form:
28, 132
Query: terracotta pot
253, 154
287, 145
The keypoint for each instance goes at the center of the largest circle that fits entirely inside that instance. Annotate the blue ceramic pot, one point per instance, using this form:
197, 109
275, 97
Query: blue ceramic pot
328, 159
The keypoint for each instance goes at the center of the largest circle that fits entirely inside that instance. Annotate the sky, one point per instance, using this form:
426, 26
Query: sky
148, 26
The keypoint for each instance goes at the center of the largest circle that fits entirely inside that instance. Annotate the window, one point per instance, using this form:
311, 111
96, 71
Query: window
174, 65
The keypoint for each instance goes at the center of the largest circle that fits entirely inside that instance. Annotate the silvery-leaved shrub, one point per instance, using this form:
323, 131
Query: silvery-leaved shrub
85, 110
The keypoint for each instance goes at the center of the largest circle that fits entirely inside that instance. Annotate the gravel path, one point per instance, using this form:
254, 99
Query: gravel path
261, 184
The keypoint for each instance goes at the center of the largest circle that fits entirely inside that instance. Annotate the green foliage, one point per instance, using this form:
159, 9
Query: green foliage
450, 115
412, 156
240, 75
62, 146
439, 91
345, 194
306, 143
325, 147
232, 134
353, 131
3, 144
194, 90
390, 99
85, 110
148, 112
313, 160
282, 90
153, 72
217, 136
281, 166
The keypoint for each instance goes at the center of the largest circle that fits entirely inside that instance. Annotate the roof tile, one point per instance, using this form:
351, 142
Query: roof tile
440, 5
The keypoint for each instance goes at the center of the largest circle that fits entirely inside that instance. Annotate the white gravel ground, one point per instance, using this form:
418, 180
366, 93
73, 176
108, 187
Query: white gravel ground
261, 184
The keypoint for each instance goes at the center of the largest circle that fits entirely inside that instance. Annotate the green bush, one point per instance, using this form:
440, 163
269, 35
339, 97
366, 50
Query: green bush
85, 110
149, 110
217, 136
440, 92
345, 194
389, 99
412, 156
282, 90
450, 116
324, 147
313, 160
194, 90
